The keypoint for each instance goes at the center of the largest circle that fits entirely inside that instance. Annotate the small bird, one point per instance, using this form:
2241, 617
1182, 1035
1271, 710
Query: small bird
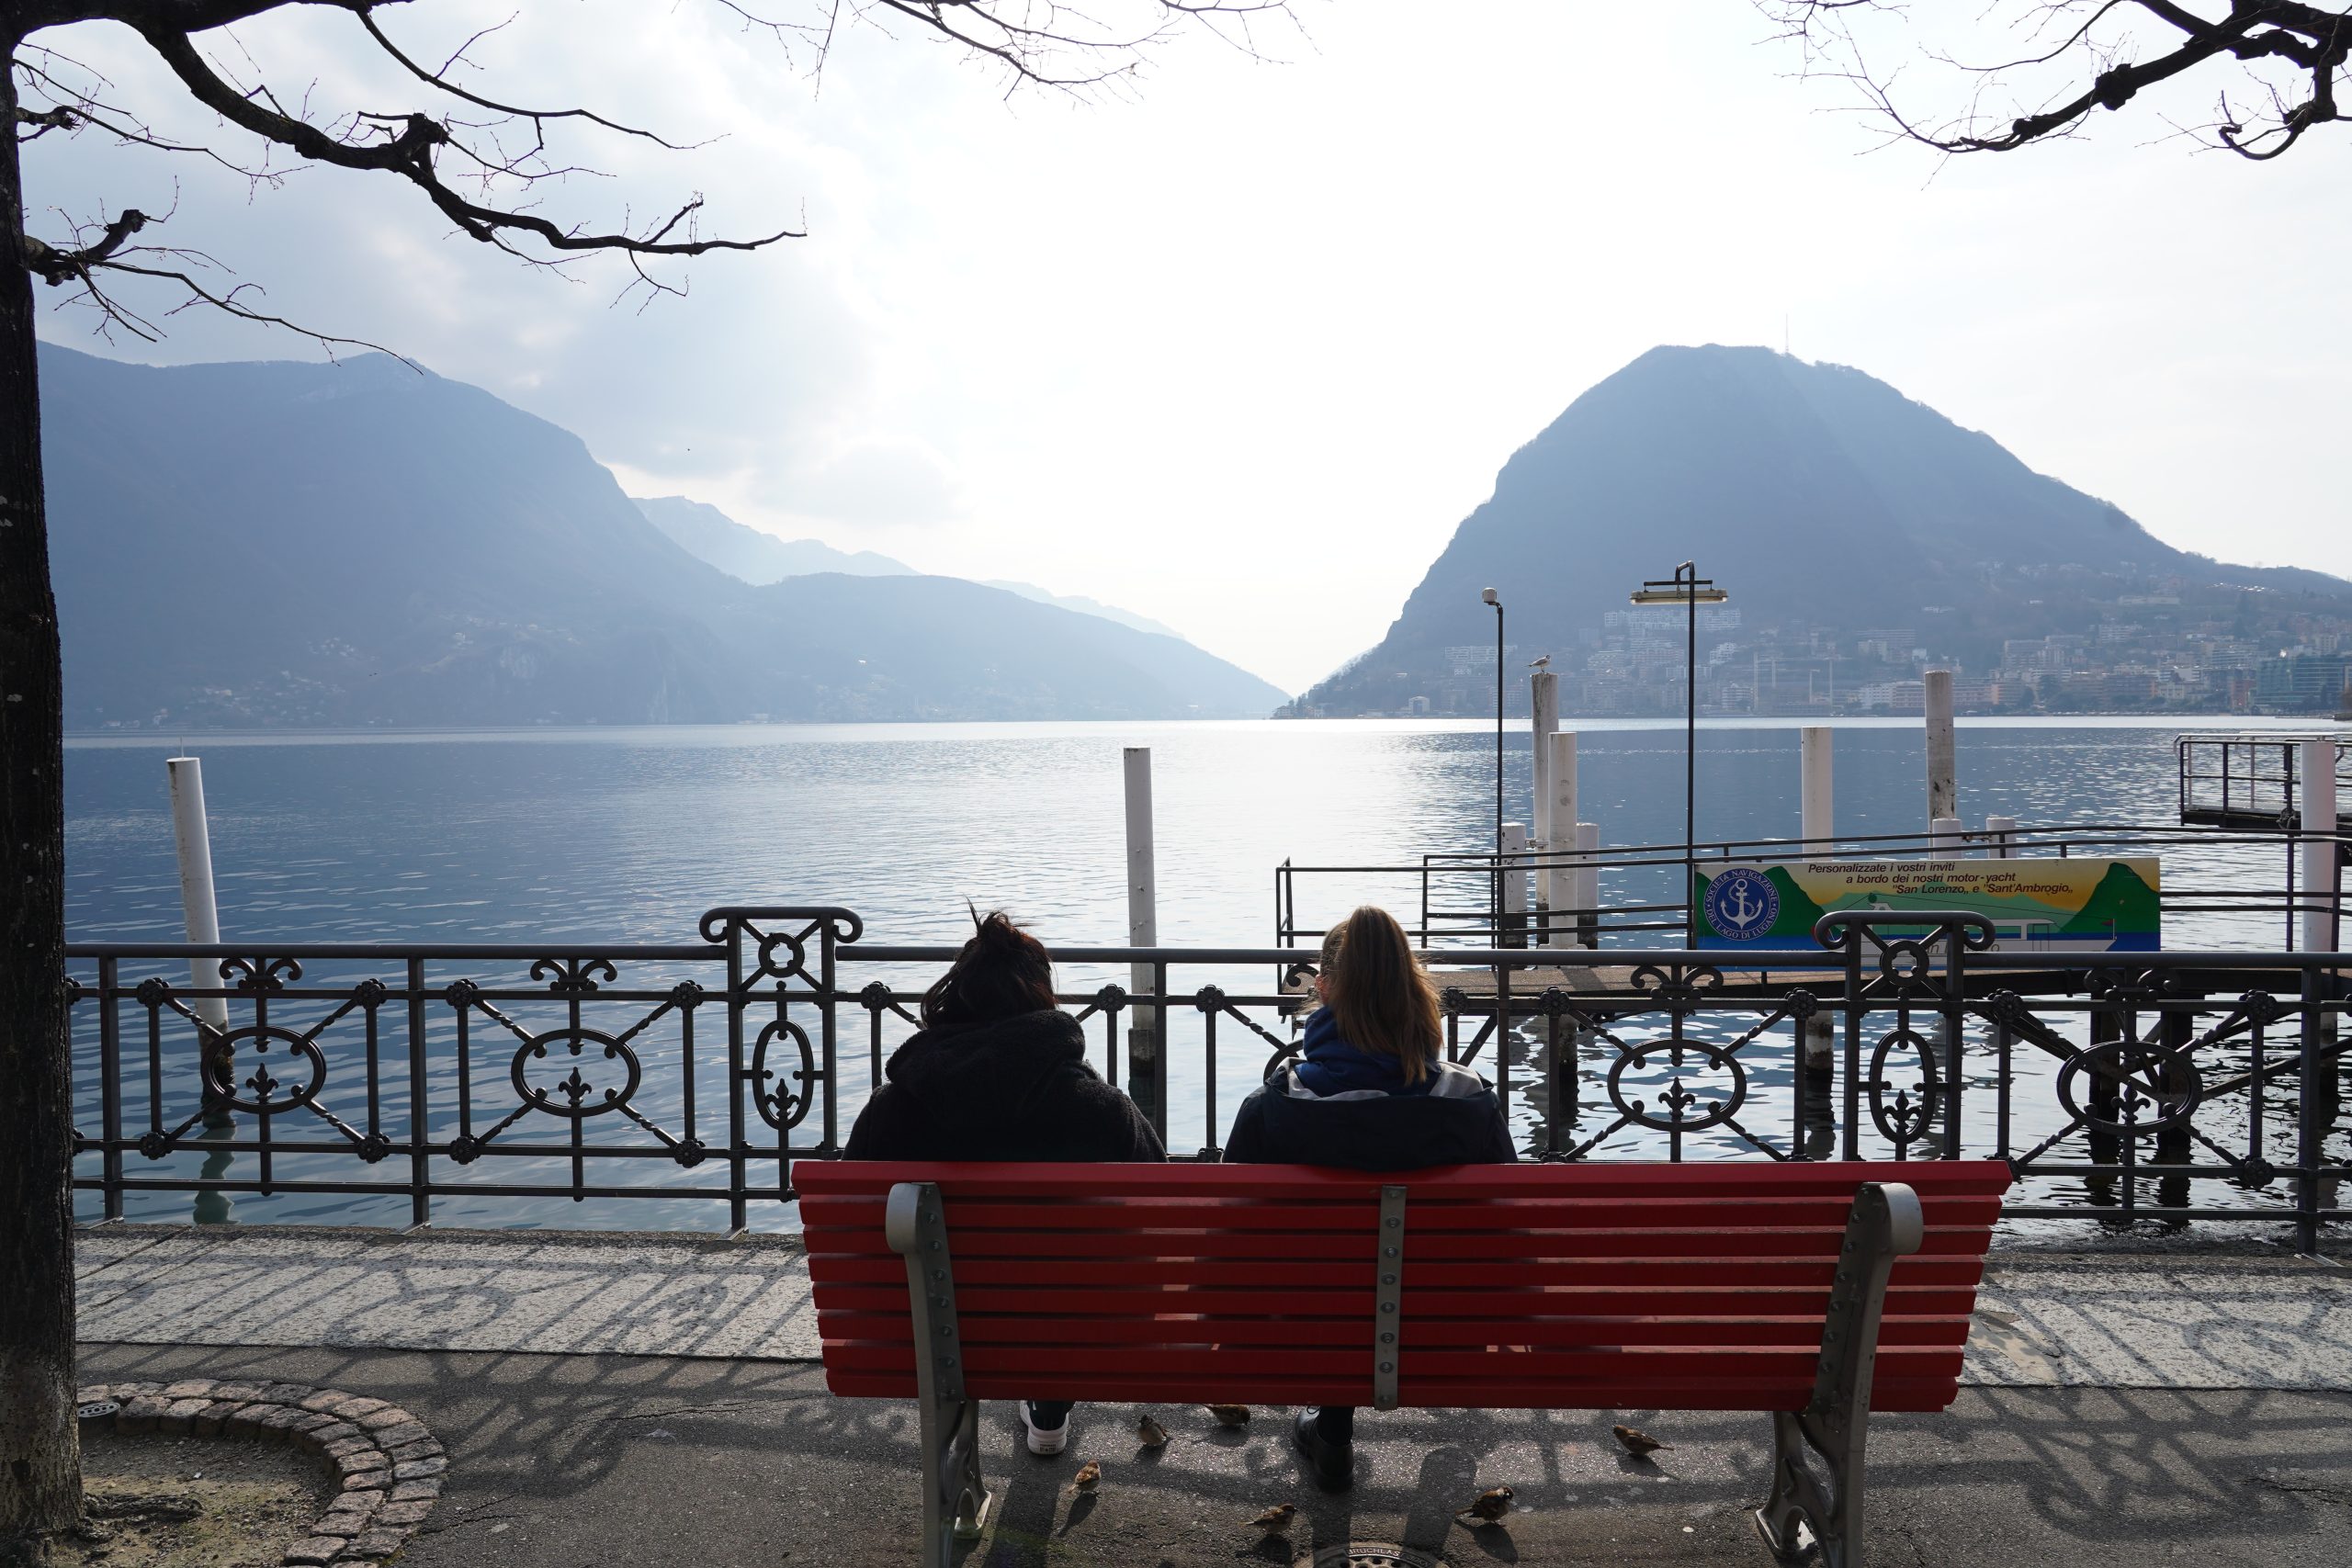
1276, 1520
1088, 1475
1492, 1505
1543, 663
1231, 1415
1151, 1434
1639, 1444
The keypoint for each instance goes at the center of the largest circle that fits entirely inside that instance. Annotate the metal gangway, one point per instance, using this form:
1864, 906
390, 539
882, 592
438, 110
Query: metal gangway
2251, 782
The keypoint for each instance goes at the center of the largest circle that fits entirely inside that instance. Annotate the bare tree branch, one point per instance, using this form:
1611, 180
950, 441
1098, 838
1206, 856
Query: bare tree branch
410, 153
53, 266
498, 161
536, 117
2084, 59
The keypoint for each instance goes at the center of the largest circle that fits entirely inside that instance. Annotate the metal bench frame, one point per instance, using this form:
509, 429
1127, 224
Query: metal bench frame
955, 1498
1818, 1452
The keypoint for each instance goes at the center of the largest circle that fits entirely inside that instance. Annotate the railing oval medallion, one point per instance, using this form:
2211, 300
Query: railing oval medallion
574, 1097
220, 1070
783, 1108
1678, 1095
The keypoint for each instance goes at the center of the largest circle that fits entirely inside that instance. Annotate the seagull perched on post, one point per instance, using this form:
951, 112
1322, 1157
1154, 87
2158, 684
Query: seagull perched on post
1543, 663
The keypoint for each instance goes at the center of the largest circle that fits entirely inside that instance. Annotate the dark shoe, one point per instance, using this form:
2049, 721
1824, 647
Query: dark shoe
1333, 1464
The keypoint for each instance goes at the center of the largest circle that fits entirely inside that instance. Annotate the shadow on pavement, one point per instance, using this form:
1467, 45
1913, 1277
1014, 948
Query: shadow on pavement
582, 1462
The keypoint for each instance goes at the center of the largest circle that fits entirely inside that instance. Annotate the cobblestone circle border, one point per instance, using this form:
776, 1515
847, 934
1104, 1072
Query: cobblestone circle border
389, 1467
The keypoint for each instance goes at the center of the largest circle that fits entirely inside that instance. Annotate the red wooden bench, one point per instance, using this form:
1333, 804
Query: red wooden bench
1815, 1291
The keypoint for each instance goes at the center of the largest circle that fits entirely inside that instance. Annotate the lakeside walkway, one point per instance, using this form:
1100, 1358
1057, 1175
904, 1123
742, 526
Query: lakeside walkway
2182, 1318
629, 1399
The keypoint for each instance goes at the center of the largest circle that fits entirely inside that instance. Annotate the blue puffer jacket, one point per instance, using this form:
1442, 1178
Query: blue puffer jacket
1352, 1108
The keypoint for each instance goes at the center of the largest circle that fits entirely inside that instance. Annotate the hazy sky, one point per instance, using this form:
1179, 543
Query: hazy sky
1239, 350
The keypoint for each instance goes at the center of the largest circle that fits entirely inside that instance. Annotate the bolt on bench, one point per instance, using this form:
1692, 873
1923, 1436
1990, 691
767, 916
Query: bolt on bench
1813, 1291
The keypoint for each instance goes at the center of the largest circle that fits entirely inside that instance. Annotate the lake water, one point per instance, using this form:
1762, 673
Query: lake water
627, 835
630, 834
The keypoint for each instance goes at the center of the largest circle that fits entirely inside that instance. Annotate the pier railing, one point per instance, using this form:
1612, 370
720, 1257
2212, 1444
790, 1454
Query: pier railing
415, 1083
2248, 878
2254, 780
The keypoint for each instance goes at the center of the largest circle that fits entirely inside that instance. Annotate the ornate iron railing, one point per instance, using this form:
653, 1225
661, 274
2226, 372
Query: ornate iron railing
410, 1083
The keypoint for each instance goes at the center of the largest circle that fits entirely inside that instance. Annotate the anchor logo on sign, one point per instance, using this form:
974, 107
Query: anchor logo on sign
1742, 904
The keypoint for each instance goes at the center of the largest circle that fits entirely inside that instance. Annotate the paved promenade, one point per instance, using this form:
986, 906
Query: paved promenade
2179, 1319
2186, 1406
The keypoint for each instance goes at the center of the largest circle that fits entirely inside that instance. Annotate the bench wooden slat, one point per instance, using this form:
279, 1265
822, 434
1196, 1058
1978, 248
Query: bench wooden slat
1140, 1308
1665, 1273
1826, 1212
1800, 1332
1284, 1182
1054, 1371
1941, 1241
1650, 1391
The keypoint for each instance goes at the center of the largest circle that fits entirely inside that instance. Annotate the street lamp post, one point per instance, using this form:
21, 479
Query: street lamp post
1495, 882
1687, 588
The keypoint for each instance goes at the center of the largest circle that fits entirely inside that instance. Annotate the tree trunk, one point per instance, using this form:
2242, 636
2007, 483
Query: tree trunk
41, 1456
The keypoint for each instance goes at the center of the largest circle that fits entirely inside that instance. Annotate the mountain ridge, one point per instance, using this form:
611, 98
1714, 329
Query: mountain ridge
759, 558
1824, 500
263, 543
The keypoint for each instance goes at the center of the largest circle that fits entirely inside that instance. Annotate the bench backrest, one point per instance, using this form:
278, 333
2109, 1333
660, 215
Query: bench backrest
1572, 1286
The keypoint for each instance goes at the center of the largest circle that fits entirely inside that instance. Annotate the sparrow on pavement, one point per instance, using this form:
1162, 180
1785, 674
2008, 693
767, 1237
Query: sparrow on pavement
1641, 1445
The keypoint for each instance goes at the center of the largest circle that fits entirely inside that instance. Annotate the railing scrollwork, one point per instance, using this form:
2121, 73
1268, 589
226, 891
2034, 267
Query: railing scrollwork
2120, 1086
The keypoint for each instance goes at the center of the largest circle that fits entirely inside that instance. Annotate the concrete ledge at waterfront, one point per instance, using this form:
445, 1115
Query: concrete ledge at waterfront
610, 1294
2176, 1317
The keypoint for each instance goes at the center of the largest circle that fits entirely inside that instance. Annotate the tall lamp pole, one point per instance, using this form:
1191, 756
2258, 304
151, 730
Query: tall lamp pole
1687, 588
1495, 882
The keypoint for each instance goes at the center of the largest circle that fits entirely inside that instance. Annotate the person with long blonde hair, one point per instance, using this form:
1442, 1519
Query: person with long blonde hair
1371, 1090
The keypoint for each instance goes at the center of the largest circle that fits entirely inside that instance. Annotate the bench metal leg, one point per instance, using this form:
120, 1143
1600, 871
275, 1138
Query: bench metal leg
955, 1498
1817, 1453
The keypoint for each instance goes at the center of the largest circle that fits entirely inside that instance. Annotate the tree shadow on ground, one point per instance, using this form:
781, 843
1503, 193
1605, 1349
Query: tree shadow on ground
611, 1460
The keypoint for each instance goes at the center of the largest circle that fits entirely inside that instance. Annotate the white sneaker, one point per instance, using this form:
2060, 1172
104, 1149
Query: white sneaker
1045, 1441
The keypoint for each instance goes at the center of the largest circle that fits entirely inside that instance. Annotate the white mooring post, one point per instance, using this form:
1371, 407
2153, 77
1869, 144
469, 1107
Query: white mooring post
1543, 708
1585, 895
1147, 1066
1817, 792
197, 906
1947, 838
1559, 892
1514, 874
2316, 796
200, 911
1943, 778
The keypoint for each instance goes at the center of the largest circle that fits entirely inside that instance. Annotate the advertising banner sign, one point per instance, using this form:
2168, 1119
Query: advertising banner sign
2087, 904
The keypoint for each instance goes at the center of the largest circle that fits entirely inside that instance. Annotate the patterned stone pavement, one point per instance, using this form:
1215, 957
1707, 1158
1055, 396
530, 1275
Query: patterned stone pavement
570, 1294
2179, 1318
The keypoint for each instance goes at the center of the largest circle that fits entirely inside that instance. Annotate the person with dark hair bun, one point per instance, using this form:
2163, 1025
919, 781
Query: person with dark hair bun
998, 1072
